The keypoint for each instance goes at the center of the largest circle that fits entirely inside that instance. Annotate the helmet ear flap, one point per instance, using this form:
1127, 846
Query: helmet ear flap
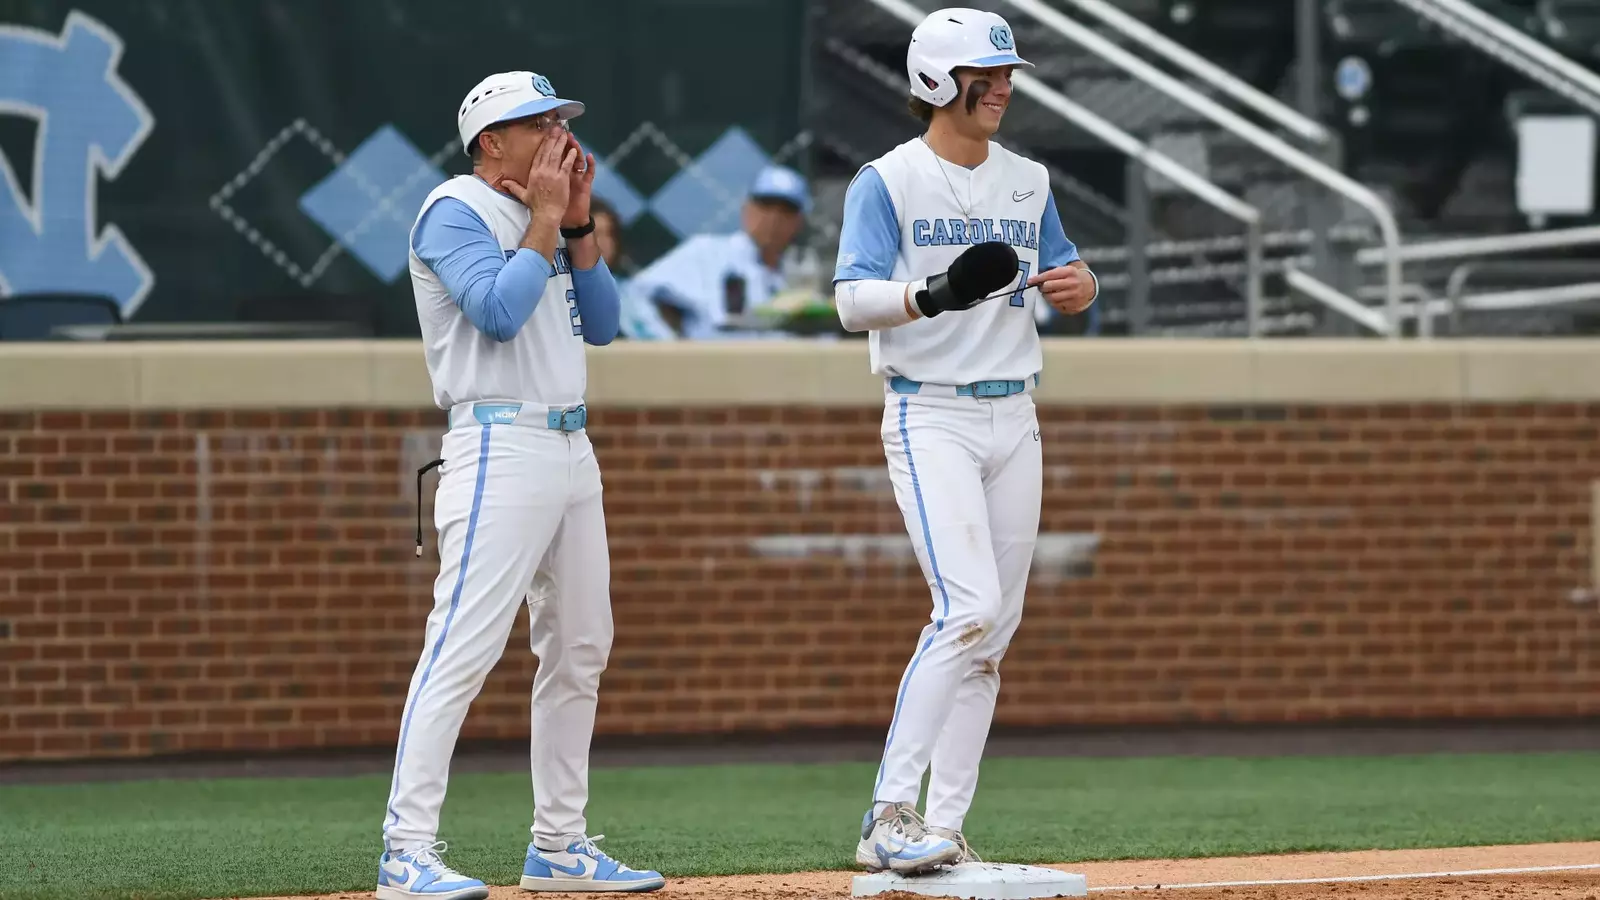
931, 84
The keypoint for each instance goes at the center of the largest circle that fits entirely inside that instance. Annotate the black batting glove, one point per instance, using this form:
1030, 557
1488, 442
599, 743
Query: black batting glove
968, 281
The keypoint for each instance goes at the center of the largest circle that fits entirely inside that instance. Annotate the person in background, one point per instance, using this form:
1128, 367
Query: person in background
639, 321
700, 285
608, 234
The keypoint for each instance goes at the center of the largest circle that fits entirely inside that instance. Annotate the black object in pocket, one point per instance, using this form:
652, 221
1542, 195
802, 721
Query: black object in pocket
733, 294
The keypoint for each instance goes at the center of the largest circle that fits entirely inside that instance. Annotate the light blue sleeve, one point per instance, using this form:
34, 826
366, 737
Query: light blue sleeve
496, 294
1055, 249
677, 275
599, 303
869, 239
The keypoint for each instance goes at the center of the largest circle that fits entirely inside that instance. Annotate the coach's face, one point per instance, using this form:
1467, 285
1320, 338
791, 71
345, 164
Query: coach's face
519, 139
985, 95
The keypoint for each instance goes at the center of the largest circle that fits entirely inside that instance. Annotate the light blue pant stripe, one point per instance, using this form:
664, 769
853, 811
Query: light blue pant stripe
938, 580
438, 645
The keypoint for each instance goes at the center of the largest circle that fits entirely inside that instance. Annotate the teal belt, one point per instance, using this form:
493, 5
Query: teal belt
574, 419
902, 385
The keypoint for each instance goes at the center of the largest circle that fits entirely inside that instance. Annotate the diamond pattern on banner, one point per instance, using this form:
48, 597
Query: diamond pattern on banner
704, 198
617, 192
368, 203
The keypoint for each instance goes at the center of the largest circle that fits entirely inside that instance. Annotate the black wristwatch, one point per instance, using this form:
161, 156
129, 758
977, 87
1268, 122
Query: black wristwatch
580, 231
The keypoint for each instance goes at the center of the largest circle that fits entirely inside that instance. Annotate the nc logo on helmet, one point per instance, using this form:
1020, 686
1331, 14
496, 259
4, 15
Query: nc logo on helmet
543, 86
1000, 37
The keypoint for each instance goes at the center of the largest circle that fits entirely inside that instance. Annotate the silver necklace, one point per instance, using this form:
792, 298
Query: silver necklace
966, 210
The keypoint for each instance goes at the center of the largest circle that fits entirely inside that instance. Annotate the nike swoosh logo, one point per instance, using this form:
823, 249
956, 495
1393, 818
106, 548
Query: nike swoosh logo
1018, 198
401, 877
578, 871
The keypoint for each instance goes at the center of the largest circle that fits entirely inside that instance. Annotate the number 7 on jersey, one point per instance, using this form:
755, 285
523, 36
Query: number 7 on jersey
1023, 268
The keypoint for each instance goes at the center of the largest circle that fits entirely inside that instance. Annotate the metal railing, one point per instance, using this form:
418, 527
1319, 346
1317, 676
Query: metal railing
1496, 245
1205, 70
1271, 324
1272, 240
1458, 301
1510, 46
1423, 306
1531, 298
1457, 248
1142, 153
1274, 146
1386, 325
1196, 274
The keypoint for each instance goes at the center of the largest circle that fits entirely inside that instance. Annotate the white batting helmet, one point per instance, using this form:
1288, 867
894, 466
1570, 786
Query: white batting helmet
949, 38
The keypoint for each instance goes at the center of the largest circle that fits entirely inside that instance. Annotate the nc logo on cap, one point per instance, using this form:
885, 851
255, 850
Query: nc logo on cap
1000, 37
543, 86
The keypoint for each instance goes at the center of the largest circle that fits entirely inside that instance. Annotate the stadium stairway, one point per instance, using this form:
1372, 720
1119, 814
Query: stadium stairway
1426, 121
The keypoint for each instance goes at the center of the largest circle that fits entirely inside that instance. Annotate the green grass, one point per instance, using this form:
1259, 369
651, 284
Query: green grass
249, 837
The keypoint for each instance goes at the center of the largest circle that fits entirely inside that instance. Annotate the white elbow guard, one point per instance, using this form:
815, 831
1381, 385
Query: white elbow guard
873, 305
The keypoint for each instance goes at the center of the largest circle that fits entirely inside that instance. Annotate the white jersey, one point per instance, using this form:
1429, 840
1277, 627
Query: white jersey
909, 214
543, 363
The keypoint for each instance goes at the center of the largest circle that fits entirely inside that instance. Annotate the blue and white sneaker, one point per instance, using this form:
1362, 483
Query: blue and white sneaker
898, 841
583, 867
421, 873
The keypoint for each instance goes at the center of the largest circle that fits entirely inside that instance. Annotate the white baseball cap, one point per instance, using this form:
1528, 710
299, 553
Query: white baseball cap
507, 96
952, 38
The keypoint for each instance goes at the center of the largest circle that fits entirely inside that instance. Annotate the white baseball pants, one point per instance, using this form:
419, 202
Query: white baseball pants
968, 476
519, 516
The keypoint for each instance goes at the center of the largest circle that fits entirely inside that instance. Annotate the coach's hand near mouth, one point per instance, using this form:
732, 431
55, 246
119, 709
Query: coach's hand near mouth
547, 191
1069, 288
580, 186
577, 225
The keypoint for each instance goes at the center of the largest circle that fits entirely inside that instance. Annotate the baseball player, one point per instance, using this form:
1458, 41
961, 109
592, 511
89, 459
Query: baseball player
925, 225
509, 286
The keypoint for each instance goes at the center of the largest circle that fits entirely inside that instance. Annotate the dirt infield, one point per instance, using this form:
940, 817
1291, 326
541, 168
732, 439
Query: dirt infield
1218, 878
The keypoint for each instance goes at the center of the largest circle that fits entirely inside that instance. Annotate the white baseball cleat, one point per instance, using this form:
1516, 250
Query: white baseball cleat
583, 867
898, 841
960, 840
421, 875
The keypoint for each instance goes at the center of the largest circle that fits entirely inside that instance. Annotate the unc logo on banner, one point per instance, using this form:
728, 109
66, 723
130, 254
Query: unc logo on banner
543, 86
96, 124
1000, 37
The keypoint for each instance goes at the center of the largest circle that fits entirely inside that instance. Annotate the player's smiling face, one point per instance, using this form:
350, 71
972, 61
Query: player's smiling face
985, 110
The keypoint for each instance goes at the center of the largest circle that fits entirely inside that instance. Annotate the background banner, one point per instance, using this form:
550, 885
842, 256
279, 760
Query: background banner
225, 161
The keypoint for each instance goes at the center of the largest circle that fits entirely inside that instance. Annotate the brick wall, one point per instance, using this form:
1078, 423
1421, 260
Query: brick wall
228, 580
